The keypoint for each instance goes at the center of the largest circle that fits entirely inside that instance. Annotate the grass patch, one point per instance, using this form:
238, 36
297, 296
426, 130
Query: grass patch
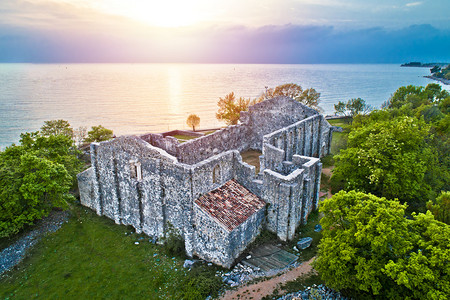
338, 142
324, 182
306, 230
327, 161
90, 257
252, 158
184, 138
341, 122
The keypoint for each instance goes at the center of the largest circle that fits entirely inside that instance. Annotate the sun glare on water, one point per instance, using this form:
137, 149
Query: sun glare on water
162, 13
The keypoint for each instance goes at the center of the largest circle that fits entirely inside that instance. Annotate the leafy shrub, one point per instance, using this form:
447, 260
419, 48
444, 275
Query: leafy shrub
368, 246
30, 187
174, 243
35, 176
202, 283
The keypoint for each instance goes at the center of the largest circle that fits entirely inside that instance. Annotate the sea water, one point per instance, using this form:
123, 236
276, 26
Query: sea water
141, 98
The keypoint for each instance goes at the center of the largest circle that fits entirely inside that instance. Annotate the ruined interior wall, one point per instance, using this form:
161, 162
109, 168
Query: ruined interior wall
212, 173
283, 194
311, 185
167, 143
273, 114
273, 158
245, 175
303, 138
235, 137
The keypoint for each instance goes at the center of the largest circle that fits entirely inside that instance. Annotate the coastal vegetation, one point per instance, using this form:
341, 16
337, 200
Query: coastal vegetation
401, 150
98, 134
309, 97
39, 174
35, 176
439, 72
379, 240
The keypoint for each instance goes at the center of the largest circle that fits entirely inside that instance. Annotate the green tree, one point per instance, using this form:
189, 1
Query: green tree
441, 207
417, 95
230, 108
423, 273
99, 134
310, 97
352, 108
56, 148
36, 176
370, 247
57, 127
30, 186
389, 159
193, 120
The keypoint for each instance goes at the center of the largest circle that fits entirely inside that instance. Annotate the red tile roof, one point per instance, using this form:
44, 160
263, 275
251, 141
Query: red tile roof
231, 204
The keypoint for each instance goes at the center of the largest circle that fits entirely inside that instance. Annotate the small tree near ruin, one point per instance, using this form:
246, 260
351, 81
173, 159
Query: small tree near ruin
193, 120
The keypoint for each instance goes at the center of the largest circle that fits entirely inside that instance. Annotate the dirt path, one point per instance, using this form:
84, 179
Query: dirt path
264, 288
327, 171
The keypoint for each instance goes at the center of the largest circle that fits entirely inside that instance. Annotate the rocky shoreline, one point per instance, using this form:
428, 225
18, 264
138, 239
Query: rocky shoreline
443, 80
14, 254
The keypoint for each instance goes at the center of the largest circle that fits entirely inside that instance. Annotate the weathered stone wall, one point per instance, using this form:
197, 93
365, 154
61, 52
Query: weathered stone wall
212, 173
86, 188
213, 242
245, 233
312, 169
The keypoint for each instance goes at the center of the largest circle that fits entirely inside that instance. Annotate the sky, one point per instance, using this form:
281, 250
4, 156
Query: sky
224, 31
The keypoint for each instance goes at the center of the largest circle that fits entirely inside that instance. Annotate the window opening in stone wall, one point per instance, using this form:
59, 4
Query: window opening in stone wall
216, 174
135, 170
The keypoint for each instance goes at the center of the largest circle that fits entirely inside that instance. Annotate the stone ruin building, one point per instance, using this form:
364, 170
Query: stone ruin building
204, 191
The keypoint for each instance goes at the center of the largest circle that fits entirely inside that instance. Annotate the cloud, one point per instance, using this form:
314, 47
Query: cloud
413, 4
237, 44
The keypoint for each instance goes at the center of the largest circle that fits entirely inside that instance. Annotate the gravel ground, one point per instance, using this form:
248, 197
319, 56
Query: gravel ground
12, 255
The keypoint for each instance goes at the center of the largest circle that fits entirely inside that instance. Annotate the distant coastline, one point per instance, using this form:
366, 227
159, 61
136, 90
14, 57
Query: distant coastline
416, 64
438, 70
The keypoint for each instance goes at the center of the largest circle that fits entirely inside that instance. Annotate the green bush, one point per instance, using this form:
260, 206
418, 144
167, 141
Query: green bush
368, 246
35, 176
201, 283
30, 187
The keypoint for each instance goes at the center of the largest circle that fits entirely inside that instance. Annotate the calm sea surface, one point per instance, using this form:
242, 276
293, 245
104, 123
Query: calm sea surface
140, 98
